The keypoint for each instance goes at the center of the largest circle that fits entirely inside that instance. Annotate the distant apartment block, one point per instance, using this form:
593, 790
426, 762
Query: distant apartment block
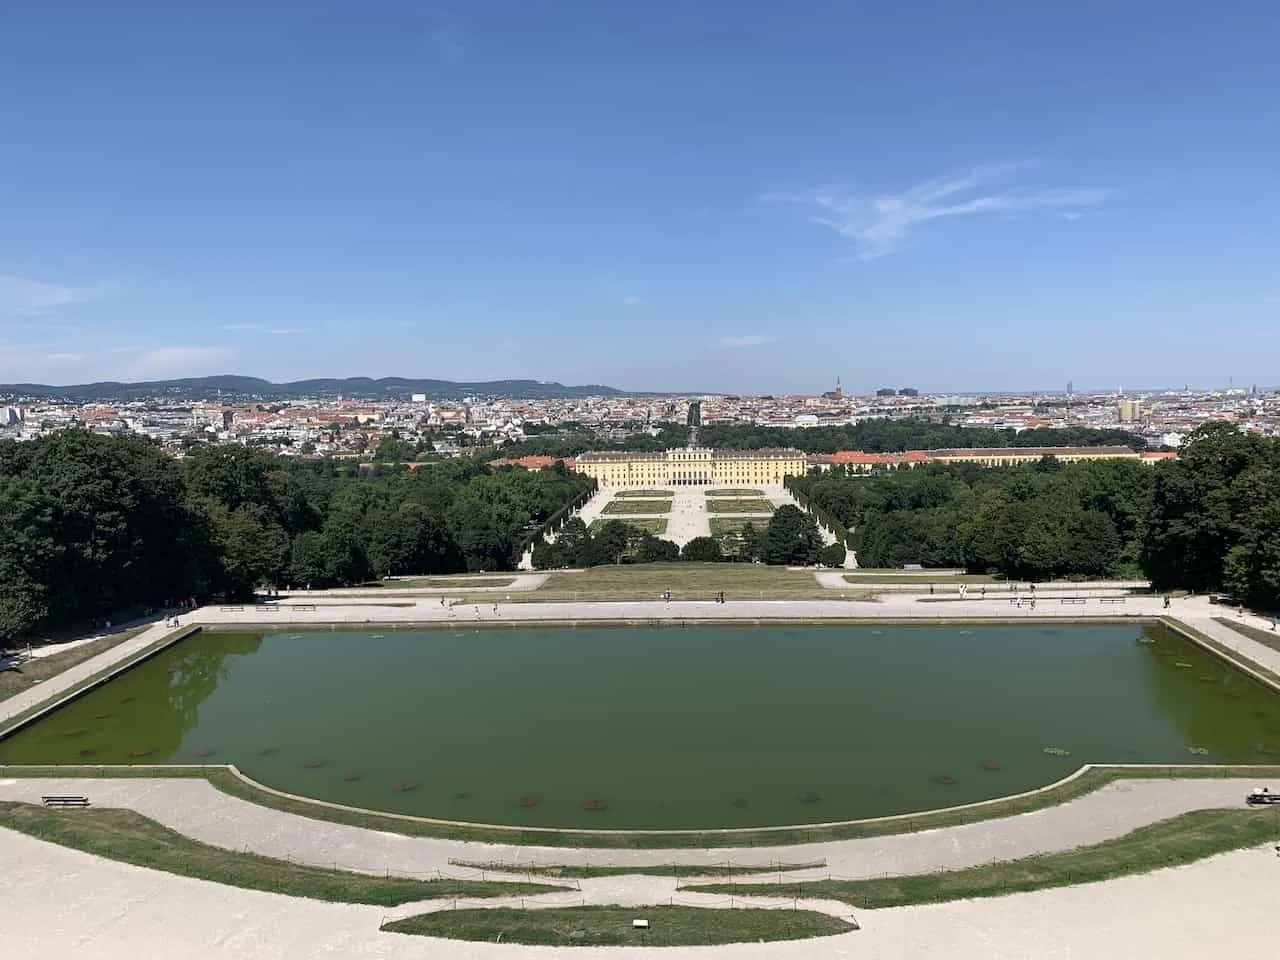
1130, 411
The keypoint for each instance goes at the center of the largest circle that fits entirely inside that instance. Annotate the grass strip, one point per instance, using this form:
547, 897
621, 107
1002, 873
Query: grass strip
1169, 843
624, 494
132, 838
677, 870
1265, 637
736, 492
38, 669
923, 578
611, 926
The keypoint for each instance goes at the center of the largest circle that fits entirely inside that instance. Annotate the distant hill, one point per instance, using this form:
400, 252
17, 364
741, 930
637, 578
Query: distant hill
252, 388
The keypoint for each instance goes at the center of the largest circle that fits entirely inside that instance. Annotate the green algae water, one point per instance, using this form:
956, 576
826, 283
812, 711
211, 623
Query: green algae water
717, 726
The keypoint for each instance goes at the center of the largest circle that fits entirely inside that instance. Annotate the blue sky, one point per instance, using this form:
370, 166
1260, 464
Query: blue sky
727, 196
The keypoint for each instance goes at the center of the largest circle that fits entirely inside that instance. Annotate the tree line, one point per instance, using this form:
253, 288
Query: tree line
896, 436
1208, 521
91, 525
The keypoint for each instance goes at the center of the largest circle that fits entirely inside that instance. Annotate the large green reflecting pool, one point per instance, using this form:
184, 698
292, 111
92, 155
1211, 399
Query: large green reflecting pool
697, 727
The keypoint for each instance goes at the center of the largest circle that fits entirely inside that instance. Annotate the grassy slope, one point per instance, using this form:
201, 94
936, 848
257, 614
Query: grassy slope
1185, 839
1264, 637
40, 669
132, 838
687, 581
611, 926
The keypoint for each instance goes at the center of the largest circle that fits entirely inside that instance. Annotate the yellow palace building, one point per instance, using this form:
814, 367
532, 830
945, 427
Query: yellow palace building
696, 466
691, 466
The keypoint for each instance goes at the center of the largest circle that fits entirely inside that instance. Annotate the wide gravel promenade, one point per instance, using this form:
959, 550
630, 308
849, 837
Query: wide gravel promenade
102, 910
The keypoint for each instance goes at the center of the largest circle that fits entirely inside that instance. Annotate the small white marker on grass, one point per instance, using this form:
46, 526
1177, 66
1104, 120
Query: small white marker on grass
640, 924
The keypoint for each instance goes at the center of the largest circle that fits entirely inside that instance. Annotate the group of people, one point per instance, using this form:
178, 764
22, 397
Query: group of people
445, 602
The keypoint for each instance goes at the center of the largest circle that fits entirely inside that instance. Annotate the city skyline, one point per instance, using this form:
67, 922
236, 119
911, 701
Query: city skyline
719, 199
393, 386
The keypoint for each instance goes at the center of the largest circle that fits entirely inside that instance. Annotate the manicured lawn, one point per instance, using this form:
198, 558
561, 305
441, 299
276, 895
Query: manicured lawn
131, 838
742, 505
637, 506
1264, 637
39, 669
449, 582
643, 493
654, 525
611, 926
722, 525
1169, 843
686, 581
922, 577
735, 492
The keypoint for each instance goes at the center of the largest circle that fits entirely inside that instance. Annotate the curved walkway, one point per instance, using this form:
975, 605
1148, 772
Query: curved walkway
196, 809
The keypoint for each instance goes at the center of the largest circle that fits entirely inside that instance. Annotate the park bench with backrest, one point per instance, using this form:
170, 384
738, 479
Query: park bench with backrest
1073, 599
1111, 599
66, 801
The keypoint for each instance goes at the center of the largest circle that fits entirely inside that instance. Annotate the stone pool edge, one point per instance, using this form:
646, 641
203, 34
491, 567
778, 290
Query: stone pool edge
1087, 778
229, 779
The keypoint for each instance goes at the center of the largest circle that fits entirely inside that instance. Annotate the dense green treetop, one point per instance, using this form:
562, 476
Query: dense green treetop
896, 436
91, 525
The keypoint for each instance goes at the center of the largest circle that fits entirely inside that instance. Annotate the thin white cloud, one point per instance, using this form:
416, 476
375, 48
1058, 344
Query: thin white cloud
23, 295
178, 361
631, 301
737, 343
260, 328
449, 42
879, 224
